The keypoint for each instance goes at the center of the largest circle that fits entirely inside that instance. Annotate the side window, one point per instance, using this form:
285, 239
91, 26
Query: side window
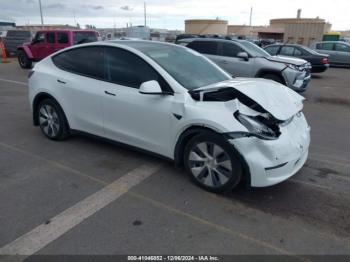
62, 38
287, 50
204, 47
39, 38
87, 61
272, 50
298, 52
127, 69
50, 38
318, 46
342, 48
231, 49
327, 46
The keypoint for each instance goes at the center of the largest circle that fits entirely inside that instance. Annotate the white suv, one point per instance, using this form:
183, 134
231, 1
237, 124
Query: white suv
174, 102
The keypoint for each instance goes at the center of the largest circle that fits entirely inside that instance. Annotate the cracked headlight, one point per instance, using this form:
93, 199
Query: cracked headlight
256, 127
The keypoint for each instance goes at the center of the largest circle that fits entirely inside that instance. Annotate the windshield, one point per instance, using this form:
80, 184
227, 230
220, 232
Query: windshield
254, 50
186, 66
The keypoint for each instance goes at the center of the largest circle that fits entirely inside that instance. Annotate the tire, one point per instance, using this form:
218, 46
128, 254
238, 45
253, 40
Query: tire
275, 78
52, 120
212, 163
23, 60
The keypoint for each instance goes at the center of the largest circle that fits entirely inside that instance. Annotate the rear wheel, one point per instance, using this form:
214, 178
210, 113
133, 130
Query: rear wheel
52, 120
212, 163
275, 78
23, 60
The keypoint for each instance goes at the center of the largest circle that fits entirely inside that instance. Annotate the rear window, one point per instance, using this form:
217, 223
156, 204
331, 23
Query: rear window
84, 37
325, 46
23, 34
87, 61
272, 50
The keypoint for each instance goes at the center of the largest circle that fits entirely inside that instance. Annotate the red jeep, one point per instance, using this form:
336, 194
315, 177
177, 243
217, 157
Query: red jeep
47, 42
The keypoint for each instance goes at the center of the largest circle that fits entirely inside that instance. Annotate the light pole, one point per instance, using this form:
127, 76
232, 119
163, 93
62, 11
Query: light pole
41, 14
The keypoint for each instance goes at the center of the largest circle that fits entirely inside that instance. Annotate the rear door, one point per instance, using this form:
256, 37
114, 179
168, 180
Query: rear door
62, 40
229, 60
342, 54
79, 85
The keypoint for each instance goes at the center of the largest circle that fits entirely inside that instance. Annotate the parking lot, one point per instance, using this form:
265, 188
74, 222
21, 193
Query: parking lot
86, 196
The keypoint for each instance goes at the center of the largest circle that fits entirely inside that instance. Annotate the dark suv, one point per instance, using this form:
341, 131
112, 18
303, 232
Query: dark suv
15, 38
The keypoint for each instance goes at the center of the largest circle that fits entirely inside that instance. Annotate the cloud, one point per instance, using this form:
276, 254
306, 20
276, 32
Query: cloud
126, 8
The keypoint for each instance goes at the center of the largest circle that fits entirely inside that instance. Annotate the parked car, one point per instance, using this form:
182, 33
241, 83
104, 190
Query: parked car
15, 38
245, 59
339, 52
319, 62
49, 41
174, 102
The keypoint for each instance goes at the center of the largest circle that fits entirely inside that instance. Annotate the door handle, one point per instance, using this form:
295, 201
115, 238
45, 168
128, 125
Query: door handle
225, 62
109, 93
60, 81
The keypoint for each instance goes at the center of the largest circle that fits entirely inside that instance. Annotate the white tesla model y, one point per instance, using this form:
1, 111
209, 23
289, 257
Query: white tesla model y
174, 102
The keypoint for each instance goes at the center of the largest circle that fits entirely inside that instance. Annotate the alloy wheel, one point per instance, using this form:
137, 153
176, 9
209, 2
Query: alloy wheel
49, 121
210, 164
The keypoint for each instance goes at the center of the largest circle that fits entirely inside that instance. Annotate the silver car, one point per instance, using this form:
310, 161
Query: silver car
244, 59
339, 52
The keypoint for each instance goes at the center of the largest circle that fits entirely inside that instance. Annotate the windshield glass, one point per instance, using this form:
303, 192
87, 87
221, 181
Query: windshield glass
186, 66
254, 50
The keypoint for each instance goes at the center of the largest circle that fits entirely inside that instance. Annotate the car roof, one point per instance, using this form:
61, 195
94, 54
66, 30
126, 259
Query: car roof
211, 39
333, 42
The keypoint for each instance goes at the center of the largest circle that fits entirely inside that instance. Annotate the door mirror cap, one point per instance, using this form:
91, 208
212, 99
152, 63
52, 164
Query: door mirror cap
243, 55
150, 88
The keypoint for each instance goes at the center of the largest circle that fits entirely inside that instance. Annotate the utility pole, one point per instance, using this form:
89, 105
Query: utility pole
41, 14
251, 16
144, 9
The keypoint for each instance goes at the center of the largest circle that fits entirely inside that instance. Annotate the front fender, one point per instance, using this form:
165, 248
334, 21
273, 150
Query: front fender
27, 50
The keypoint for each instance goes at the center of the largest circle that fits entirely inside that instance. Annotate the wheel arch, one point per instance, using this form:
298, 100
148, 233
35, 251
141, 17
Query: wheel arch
37, 100
27, 51
278, 73
192, 131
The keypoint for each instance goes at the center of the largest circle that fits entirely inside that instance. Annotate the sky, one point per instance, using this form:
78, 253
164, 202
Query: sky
171, 14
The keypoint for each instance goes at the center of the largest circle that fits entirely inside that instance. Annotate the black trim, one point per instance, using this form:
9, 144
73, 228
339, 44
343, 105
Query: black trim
118, 143
160, 93
275, 167
178, 117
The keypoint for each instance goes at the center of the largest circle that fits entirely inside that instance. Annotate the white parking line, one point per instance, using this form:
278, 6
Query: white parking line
44, 234
13, 82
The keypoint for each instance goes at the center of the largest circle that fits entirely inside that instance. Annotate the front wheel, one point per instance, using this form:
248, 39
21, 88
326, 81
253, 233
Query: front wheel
212, 163
23, 60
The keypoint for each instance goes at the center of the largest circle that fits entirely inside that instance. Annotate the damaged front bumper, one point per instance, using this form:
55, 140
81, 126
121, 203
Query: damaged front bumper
273, 161
297, 81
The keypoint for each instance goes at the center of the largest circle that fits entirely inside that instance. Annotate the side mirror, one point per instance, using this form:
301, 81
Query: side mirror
243, 55
150, 88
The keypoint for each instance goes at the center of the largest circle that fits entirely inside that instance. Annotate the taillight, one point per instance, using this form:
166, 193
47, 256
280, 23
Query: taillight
31, 72
324, 61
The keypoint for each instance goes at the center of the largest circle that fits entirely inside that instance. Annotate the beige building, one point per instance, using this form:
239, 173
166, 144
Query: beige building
206, 26
302, 31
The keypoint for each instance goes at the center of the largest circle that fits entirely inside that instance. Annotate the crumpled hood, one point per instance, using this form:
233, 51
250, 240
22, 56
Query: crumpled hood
287, 59
280, 101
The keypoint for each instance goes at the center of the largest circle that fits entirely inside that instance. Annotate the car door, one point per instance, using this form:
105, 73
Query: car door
230, 62
328, 49
342, 54
39, 46
50, 43
79, 87
62, 40
136, 119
